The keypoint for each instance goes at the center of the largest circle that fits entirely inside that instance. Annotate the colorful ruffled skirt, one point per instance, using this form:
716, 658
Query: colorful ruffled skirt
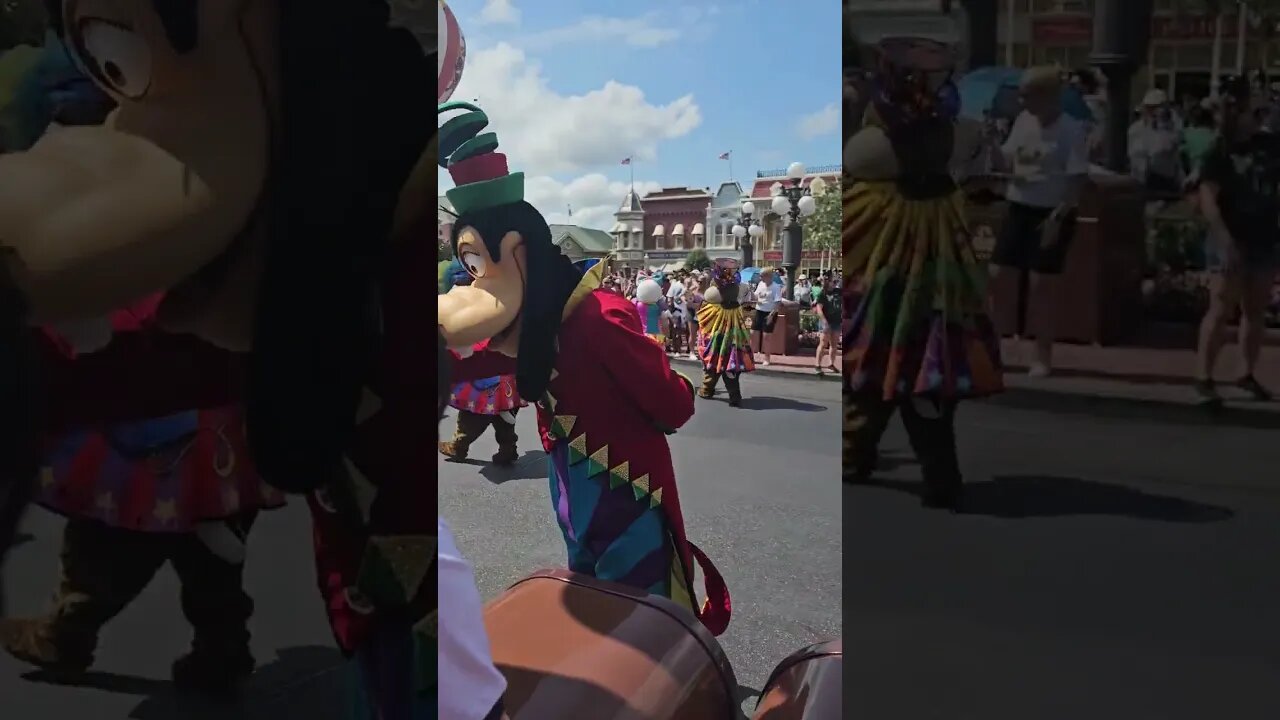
919, 324
724, 343
491, 396
162, 475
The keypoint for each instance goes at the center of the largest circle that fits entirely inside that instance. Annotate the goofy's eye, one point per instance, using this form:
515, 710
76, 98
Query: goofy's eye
474, 263
120, 58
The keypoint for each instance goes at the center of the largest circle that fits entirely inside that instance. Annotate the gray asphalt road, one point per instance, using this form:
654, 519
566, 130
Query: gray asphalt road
1101, 569
760, 491
297, 679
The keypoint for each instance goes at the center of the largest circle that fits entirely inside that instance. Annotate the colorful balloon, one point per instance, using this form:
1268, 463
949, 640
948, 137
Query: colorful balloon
452, 53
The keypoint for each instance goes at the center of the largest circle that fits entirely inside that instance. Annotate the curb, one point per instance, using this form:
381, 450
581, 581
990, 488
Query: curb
770, 371
1118, 406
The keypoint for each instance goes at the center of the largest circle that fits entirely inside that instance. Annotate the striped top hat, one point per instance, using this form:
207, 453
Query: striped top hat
480, 173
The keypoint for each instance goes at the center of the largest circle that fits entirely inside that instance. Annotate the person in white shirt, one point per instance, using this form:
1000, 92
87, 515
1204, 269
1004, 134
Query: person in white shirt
469, 686
1154, 145
768, 296
676, 310
1047, 156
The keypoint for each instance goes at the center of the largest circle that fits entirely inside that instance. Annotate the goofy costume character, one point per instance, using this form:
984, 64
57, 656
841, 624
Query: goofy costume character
215, 182
606, 394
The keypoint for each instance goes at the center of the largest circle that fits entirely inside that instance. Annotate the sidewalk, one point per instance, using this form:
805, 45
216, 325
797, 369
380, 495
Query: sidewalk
782, 365
1139, 380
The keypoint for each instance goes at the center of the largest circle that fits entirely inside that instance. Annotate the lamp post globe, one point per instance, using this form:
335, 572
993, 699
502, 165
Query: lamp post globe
748, 208
793, 201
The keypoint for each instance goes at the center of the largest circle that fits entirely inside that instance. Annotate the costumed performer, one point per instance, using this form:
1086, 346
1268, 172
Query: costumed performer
724, 342
219, 101
651, 307
180, 489
606, 394
919, 339
481, 403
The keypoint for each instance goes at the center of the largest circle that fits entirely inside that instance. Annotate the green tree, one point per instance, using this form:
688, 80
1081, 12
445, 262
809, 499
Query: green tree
822, 228
697, 260
22, 22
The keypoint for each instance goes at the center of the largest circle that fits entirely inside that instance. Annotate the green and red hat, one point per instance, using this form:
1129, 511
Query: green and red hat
480, 174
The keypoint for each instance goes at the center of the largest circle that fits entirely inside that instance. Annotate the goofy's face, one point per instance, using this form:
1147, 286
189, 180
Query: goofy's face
491, 306
92, 218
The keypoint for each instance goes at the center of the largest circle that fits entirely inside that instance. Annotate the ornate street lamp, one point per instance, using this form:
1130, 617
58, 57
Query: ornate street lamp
747, 232
1121, 35
792, 201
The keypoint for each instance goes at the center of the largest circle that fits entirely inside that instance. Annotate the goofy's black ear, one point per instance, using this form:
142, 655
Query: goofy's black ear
549, 281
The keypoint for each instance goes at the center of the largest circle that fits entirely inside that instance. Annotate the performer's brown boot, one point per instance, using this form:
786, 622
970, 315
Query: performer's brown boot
31, 640
212, 672
506, 456
454, 449
215, 603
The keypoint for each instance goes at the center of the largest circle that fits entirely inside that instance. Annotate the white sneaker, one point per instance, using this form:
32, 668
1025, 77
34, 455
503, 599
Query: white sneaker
693, 356
1039, 370
765, 363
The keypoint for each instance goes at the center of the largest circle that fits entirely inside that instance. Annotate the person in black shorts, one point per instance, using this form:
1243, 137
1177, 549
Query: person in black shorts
1239, 187
1046, 156
828, 304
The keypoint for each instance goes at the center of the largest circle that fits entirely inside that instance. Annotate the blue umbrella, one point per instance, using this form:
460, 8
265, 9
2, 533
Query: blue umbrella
749, 274
995, 90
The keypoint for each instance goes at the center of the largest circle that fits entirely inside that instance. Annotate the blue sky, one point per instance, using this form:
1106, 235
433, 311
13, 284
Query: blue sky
574, 86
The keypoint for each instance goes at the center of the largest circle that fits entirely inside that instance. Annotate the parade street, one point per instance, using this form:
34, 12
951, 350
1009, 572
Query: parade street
760, 491
297, 677
1101, 568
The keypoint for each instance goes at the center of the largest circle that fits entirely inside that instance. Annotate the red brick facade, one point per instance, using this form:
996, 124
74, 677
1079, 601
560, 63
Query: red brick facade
670, 208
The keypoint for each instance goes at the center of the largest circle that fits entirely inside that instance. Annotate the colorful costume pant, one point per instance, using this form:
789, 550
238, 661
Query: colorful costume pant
731, 383
932, 436
608, 532
384, 676
105, 568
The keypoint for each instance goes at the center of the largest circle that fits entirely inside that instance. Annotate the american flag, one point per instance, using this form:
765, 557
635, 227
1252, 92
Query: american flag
725, 156
626, 161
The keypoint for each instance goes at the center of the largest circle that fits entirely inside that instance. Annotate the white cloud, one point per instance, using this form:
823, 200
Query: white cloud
594, 198
547, 133
642, 32
822, 122
499, 12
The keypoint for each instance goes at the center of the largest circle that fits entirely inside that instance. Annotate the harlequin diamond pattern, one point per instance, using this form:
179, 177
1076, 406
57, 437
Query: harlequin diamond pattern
598, 464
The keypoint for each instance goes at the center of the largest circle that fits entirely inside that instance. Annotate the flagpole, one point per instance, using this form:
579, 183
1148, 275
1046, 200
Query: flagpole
631, 165
731, 178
